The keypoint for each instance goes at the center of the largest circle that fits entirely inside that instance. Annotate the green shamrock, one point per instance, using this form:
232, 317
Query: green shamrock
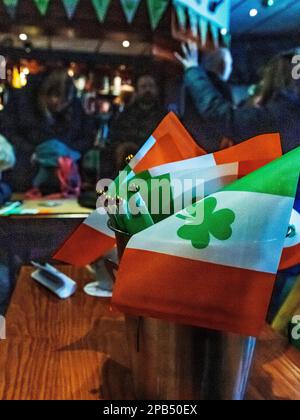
215, 223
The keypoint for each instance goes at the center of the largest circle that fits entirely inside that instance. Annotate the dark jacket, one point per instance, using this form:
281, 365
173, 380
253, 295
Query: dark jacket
136, 125
26, 127
203, 131
281, 115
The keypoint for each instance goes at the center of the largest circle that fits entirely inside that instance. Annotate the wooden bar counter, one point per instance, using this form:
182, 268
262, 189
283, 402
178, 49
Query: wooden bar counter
77, 350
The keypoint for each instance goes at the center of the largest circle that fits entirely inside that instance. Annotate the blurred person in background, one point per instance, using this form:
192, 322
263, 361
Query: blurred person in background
218, 66
276, 111
138, 121
46, 109
7, 161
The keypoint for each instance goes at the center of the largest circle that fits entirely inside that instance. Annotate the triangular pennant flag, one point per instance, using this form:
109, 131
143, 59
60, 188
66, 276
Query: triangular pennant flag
193, 23
101, 8
42, 5
215, 34
203, 26
130, 8
70, 7
156, 9
181, 15
227, 40
11, 7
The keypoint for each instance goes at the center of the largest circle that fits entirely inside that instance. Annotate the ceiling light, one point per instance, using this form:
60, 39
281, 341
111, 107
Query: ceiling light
126, 44
253, 12
23, 37
224, 31
268, 3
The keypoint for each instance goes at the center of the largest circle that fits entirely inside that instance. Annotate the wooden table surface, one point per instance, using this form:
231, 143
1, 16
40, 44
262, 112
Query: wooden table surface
77, 349
45, 208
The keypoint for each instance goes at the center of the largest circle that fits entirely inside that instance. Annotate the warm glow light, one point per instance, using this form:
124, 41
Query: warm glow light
126, 44
26, 71
23, 37
71, 72
117, 85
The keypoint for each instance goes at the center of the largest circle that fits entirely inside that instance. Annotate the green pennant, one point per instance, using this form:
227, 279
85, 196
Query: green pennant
215, 34
193, 22
101, 8
181, 15
70, 7
203, 27
227, 40
42, 5
130, 8
156, 9
11, 7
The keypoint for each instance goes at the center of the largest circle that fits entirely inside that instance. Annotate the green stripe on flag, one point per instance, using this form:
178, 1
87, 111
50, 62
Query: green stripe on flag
272, 178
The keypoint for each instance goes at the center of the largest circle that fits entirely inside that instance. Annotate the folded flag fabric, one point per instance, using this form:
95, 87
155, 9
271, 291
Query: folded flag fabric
173, 186
169, 142
291, 251
214, 264
91, 239
249, 153
263, 148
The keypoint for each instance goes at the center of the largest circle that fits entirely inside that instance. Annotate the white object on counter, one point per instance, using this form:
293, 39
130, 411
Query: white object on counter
54, 280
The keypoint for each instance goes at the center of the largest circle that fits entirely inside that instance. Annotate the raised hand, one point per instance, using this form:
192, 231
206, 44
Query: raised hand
190, 57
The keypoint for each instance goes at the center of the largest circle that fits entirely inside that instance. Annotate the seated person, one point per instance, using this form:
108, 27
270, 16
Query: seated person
47, 108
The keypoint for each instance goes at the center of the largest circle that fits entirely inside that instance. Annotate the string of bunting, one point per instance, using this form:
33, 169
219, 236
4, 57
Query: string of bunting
197, 17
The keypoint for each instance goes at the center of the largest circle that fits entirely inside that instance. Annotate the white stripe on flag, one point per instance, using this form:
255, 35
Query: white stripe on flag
256, 243
212, 179
295, 221
199, 162
99, 222
142, 152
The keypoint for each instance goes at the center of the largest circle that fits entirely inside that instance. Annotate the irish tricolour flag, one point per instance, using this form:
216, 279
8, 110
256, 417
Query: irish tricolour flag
170, 142
92, 240
214, 264
291, 251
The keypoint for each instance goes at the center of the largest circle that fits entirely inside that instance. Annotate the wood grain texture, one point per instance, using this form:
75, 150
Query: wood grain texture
77, 349
55, 349
276, 371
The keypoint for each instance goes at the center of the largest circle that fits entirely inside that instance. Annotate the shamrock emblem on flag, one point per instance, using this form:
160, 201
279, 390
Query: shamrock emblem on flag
213, 223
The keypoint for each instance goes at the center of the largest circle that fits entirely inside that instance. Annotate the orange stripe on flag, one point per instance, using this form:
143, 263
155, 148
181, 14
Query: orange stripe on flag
197, 293
257, 148
84, 246
290, 257
245, 168
173, 143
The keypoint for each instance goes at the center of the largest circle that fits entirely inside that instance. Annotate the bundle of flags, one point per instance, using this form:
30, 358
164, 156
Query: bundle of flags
213, 264
169, 143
